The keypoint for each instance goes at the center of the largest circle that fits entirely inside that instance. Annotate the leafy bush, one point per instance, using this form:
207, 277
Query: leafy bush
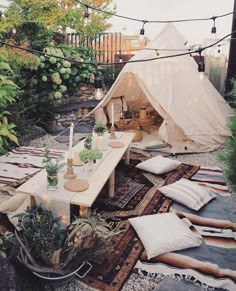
8, 92
231, 96
229, 154
44, 246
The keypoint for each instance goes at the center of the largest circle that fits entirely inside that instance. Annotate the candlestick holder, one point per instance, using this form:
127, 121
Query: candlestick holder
70, 173
112, 135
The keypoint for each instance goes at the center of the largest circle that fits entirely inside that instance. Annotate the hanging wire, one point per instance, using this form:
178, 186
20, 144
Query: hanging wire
117, 63
156, 21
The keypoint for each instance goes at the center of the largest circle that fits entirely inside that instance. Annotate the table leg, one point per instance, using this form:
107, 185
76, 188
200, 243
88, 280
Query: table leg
111, 185
127, 155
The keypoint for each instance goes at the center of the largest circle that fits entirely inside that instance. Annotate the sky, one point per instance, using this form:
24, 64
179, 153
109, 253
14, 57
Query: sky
193, 32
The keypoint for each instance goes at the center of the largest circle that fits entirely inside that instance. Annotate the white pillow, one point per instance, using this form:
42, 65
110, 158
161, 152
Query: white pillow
188, 193
162, 233
158, 165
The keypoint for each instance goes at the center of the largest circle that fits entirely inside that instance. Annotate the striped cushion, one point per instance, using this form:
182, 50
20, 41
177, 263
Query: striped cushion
188, 193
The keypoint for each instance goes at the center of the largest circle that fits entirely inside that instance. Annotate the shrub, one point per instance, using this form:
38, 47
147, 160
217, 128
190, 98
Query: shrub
8, 91
229, 154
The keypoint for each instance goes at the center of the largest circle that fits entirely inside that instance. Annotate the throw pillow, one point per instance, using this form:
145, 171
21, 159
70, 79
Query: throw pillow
162, 233
188, 193
158, 165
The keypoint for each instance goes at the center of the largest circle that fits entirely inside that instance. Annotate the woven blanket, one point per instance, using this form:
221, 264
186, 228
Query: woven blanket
21, 164
127, 246
213, 264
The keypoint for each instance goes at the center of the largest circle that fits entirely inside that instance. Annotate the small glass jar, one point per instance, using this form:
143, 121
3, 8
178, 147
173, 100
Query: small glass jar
52, 181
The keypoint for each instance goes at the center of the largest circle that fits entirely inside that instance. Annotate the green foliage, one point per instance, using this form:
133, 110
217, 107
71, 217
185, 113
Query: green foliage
41, 242
90, 155
8, 92
51, 165
100, 128
231, 96
36, 35
229, 154
88, 141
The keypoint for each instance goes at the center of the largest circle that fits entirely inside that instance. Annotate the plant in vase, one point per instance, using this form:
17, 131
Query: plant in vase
52, 167
100, 128
88, 141
90, 156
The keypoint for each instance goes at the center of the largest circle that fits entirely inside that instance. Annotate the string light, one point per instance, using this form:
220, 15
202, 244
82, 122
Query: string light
156, 21
120, 57
142, 30
213, 30
86, 16
98, 94
185, 52
201, 63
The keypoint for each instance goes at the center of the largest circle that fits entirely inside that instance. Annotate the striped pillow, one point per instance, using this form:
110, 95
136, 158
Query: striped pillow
188, 193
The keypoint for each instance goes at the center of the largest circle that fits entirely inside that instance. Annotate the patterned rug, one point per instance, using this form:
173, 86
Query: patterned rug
145, 199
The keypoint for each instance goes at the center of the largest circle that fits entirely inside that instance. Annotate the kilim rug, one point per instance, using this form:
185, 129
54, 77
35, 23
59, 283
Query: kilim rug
145, 199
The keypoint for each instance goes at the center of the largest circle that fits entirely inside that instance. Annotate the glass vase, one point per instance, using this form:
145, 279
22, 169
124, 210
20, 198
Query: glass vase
89, 166
52, 181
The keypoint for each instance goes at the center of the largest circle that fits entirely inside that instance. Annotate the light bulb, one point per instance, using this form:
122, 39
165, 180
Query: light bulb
201, 76
98, 94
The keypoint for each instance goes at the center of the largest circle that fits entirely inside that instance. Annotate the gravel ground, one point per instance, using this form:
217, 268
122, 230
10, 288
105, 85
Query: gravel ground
135, 281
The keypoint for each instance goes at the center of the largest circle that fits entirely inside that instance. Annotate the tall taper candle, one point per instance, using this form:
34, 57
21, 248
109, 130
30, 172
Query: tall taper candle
71, 140
112, 114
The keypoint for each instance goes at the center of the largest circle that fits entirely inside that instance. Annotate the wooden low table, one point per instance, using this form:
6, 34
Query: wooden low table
134, 123
60, 200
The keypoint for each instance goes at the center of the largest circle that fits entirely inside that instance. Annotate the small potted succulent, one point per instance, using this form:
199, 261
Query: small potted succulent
52, 167
100, 128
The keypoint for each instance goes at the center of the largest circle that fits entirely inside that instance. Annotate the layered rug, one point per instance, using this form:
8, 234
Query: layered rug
213, 264
135, 196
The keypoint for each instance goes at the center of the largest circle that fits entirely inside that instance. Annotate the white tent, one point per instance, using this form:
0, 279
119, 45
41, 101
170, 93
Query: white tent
194, 113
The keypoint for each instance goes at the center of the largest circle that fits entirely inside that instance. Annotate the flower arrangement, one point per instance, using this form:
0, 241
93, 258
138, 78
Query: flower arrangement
51, 165
44, 246
90, 155
100, 128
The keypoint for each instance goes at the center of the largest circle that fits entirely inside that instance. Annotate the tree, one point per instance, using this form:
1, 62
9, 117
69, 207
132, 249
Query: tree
56, 15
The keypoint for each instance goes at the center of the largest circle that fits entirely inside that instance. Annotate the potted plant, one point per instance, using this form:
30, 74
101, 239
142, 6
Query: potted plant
100, 128
90, 156
52, 167
60, 251
88, 141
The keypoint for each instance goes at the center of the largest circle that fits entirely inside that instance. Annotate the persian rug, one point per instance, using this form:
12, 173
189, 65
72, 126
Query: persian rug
211, 265
146, 199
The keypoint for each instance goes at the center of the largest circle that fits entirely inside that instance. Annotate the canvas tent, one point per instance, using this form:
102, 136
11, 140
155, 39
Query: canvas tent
194, 113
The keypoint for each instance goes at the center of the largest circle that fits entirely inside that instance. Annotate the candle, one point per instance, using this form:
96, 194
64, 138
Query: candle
71, 140
112, 114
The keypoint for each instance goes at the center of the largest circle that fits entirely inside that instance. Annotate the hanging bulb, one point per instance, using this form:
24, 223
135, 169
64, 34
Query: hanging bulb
142, 30
201, 64
86, 17
218, 49
120, 58
213, 30
201, 76
98, 94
